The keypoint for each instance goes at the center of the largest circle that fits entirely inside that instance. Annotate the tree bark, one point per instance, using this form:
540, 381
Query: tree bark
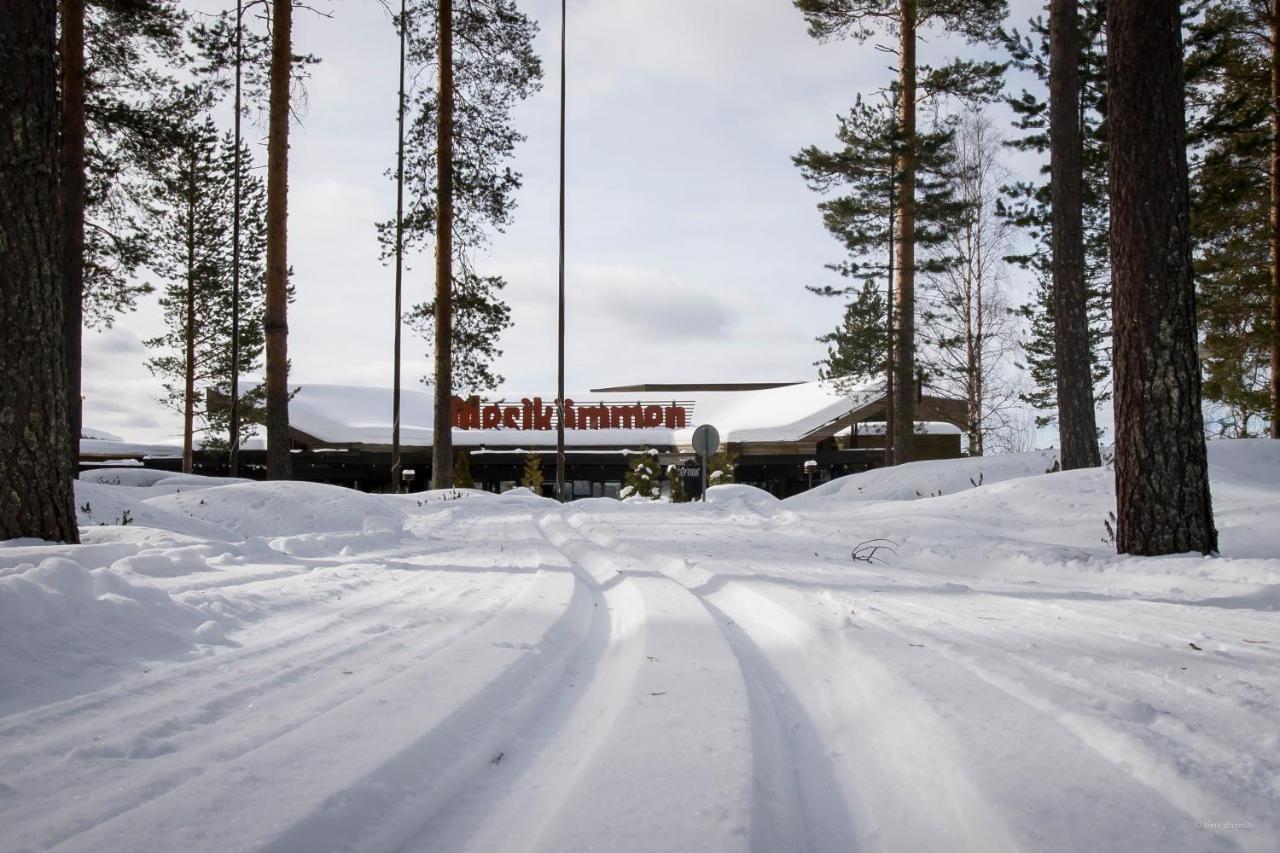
71, 209
1163, 504
1077, 424
892, 319
36, 497
442, 428
279, 442
1275, 219
904, 390
233, 439
189, 355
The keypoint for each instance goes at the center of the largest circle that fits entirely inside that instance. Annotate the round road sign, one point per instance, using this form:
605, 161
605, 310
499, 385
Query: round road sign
706, 441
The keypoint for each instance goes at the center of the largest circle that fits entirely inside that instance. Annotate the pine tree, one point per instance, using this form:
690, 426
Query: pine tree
36, 497
480, 316
643, 478
675, 477
461, 471
531, 476
720, 469
194, 250
116, 94
856, 348
279, 440
1077, 423
973, 19
1029, 207
862, 217
1228, 62
1163, 504
235, 55
493, 68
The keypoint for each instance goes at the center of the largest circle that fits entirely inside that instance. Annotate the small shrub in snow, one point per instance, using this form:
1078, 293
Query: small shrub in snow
531, 477
642, 477
675, 477
720, 469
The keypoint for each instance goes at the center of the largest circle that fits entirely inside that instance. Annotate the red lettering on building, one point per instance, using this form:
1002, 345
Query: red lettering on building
535, 415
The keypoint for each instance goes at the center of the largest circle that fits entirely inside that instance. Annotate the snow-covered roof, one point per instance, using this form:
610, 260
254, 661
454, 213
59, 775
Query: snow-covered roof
349, 414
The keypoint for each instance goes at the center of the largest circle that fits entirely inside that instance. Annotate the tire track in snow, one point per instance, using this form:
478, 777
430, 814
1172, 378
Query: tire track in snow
866, 760
148, 749
1155, 821
797, 803
339, 781
624, 719
1108, 721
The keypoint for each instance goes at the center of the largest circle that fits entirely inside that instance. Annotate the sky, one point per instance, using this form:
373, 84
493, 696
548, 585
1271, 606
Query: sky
690, 233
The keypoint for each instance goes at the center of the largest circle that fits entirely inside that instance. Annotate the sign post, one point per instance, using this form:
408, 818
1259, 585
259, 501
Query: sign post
706, 441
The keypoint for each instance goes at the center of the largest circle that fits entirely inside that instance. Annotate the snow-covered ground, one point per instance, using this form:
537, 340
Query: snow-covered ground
294, 667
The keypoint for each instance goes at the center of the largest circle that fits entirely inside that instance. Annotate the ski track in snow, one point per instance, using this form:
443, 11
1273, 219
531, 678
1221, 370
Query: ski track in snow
510, 674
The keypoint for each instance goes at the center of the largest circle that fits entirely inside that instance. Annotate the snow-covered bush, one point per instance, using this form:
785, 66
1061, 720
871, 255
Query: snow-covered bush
643, 478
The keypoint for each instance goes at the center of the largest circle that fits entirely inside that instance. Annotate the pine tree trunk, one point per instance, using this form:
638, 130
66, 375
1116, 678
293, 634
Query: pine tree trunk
979, 377
1077, 425
233, 437
279, 442
71, 209
904, 396
1275, 219
189, 357
1162, 479
972, 415
36, 497
442, 430
889, 336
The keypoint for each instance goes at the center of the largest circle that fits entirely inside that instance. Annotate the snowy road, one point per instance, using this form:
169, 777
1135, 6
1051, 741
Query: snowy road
297, 668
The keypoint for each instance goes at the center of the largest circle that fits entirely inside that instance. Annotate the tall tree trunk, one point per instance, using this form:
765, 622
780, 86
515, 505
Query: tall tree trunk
973, 415
892, 319
36, 497
1077, 425
905, 395
189, 357
71, 202
442, 430
979, 340
279, 460
1162, 477
233, 445
1275, 219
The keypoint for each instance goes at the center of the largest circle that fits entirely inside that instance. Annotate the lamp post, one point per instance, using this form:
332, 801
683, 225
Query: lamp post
560, 495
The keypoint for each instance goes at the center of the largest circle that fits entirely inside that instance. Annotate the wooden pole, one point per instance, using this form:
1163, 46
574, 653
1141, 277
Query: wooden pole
396, 465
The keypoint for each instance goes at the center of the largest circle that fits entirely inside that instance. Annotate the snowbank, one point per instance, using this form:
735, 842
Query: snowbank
63, 621
284, 508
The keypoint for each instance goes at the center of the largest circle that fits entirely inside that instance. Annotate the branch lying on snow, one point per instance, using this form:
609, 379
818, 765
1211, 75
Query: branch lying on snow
867, 552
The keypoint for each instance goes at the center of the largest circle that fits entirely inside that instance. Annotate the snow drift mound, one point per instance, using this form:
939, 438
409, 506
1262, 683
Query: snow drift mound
933, 478
1246, 462
151, 482
285, 509
98, 504
737, 493
62, 621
